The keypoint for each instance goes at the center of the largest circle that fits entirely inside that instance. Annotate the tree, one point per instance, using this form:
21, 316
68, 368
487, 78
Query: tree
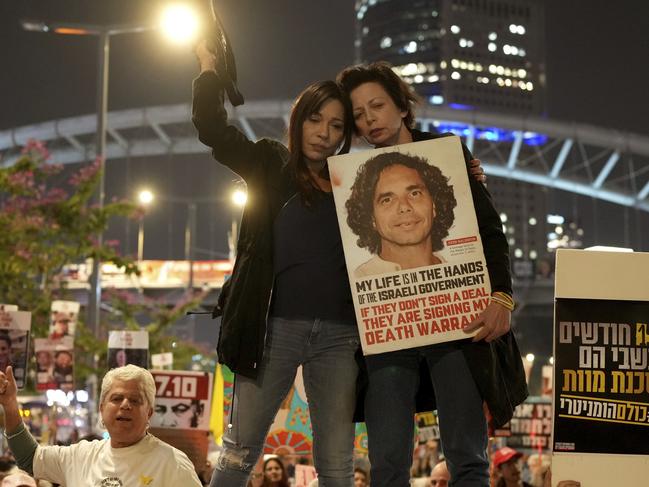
46, 226
47, 223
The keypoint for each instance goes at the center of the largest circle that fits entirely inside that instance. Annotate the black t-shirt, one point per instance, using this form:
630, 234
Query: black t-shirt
310, 273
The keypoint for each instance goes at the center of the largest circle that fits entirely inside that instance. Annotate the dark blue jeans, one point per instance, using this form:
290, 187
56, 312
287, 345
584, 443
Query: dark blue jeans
325, 349
390, 407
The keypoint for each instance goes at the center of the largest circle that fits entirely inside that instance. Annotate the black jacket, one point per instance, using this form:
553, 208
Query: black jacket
244, 300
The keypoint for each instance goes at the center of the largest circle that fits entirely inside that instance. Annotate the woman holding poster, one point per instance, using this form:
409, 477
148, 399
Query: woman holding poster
464, 373
288, 302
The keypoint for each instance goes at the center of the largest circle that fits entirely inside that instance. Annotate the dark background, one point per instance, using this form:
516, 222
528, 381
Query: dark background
596, 55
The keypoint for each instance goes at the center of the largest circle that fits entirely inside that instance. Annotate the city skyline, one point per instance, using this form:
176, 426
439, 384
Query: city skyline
590, 49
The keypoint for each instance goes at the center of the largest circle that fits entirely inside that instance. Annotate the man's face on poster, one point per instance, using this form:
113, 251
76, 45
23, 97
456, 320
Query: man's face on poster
43, 359
403, 207
62, 326
5, 349
177, 414
121, 358
63, 359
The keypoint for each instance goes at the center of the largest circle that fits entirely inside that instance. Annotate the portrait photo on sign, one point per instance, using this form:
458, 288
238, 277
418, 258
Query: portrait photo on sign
14, 341
119, 357
128, 347
54, 363
412, 244
182, 400
63, 321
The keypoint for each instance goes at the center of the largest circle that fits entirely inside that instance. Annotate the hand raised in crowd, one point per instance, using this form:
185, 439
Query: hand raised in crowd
9, 400
206, 58
8, 388
493, 322
476, 171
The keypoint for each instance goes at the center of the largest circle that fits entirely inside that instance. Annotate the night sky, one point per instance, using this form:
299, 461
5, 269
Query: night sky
596, 57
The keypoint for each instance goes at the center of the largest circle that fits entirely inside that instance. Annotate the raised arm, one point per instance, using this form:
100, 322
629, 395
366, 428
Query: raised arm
229, 145
21, 442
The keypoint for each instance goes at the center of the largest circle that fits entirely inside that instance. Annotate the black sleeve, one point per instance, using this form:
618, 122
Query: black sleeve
494, 241
229, 145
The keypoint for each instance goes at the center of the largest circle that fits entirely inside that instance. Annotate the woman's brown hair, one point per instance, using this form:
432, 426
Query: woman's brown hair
381, 72
307, 103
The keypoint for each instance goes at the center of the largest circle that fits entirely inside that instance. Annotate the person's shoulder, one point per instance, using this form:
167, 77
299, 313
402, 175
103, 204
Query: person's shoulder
182, 469
164, 448
82, 448
88, 447
275, 147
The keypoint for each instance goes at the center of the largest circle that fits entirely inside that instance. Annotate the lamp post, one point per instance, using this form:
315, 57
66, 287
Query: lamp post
145, 197
190, 233
178, 23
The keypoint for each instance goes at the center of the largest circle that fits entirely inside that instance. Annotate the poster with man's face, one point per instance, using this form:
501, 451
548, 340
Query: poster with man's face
54, 363
182, 399
128, 347
14, 341
413, 250
63, 321
181, 416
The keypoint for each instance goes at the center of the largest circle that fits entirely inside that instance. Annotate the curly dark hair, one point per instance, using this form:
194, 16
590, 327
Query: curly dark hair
360, 205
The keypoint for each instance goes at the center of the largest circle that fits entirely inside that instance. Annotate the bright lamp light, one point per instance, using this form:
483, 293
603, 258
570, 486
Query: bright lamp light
180, 23
145, 196
239, 197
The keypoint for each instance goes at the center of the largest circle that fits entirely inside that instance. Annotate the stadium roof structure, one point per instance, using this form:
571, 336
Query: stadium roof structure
601, 163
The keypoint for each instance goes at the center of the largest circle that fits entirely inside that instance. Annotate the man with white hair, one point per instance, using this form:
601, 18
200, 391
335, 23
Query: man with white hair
131, 457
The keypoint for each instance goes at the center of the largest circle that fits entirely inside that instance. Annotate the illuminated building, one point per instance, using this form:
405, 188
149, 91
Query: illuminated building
467, 54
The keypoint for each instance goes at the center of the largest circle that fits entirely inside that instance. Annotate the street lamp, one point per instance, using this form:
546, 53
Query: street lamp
180, 23
145, 197
104, 33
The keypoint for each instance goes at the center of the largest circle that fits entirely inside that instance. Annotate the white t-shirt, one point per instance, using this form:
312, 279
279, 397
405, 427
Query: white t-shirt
150, 462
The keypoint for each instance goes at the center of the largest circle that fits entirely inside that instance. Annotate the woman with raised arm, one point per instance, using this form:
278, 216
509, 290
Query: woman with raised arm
288, 302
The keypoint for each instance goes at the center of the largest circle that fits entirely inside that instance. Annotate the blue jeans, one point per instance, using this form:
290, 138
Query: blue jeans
325, 349
390, 407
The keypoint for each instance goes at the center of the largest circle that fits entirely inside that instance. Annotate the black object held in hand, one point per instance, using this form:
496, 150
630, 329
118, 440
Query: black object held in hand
219, 44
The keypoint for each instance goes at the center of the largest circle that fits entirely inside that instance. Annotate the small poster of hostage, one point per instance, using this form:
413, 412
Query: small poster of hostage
416, 267
14, 341
182, 412
182, 399
54, 363
601, 390
128, 347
